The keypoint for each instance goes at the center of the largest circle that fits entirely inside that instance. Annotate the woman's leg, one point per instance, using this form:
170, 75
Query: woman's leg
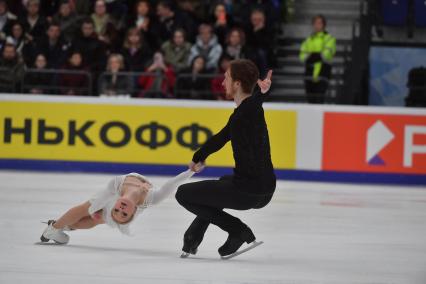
73, 216
85, 223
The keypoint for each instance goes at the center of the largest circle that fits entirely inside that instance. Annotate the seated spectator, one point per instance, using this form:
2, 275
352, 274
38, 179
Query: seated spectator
259, 41
67, 20
54, 47
105, 25
176, 51
217, 82
17, 37
92, 49
161, 82
100, 17
193, 83
207, 47
222, 22
74, 84
170, 20
135, 51
113, 83
37, 81
34, 24
317, 52
144, 21
6, 19
235, 44
11, 69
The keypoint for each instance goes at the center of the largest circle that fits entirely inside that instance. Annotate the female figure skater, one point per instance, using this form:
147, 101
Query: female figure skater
117, 205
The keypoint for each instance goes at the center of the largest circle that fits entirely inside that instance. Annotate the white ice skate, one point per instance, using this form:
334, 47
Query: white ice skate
56, 235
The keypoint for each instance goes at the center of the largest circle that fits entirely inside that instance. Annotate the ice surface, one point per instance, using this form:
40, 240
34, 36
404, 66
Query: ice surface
313, 233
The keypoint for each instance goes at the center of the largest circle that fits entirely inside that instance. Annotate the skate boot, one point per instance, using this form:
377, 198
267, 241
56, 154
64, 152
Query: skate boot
190, 245
51, 233
235, 241
193, 237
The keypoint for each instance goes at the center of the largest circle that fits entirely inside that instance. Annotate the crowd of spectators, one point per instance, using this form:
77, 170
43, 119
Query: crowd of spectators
185, 45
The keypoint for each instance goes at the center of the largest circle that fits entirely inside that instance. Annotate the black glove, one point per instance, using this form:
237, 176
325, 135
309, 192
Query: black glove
314, 58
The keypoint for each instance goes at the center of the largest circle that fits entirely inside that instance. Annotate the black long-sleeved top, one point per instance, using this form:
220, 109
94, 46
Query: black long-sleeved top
248, 132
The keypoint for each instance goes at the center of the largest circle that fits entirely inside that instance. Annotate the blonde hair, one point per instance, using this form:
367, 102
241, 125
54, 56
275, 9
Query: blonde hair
120, 59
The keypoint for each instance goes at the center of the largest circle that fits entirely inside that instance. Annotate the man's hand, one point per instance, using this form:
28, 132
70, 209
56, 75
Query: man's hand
196, 167
265, 85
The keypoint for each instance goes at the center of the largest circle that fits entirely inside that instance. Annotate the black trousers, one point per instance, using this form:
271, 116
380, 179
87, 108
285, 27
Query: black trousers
207, 199
315, 91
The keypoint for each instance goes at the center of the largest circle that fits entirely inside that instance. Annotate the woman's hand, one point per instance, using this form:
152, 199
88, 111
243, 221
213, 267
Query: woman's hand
265, 85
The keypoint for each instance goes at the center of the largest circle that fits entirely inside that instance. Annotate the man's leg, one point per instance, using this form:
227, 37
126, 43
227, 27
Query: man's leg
206, 199
194, 235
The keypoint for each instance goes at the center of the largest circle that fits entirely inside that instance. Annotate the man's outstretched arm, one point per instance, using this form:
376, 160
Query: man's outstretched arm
214, 144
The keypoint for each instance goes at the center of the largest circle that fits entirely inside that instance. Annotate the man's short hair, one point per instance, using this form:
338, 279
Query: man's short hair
246, 72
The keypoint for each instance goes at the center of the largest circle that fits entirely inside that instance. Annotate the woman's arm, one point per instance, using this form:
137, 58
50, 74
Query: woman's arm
170, 186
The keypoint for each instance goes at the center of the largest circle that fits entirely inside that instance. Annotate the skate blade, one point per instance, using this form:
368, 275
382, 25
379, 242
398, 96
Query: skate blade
185, 255
252, 246
48, 244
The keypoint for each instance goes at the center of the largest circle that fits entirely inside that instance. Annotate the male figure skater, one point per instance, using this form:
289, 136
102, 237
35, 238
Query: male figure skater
253, 182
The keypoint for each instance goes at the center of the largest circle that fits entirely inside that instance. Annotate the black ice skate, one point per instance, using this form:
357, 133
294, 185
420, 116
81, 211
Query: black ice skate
190, 245
230, 248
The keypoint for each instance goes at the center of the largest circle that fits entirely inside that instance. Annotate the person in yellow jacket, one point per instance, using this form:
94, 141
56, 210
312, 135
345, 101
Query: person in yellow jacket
317, 52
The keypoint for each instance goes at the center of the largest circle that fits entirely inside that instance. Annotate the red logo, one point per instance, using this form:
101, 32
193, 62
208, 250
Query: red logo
374, 143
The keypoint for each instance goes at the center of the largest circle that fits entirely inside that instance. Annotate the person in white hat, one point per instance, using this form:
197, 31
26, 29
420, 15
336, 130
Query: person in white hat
117, 205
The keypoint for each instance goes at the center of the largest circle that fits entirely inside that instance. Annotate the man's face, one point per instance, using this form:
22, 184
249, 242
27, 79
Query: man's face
229, 85
9, 53
100, 8
53, 32
318, 25
162, 11
33, 8
205, 35
257, 19
87, 29
3, 8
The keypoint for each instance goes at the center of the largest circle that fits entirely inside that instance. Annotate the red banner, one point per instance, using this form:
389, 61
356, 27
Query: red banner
374, 143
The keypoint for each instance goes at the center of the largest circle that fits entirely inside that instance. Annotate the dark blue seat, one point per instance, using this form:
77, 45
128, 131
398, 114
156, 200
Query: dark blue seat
394, 12
420, 13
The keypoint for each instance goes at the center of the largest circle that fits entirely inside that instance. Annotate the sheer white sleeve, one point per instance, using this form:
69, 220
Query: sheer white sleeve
101, 199
170, 186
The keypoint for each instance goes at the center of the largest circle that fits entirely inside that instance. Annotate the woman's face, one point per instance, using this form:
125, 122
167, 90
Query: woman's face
123, 210
134, 37
220, 11
65, 10
17, 31
178, 38
115, 64
235, 38
40, 62
76, 59
142, 9
225, 64
198, 64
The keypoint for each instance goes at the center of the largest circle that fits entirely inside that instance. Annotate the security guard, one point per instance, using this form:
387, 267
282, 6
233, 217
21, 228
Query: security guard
317, 52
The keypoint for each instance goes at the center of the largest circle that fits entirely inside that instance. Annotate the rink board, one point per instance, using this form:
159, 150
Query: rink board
327, 143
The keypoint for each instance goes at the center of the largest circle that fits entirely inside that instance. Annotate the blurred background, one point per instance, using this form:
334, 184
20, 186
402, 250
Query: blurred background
323, 52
